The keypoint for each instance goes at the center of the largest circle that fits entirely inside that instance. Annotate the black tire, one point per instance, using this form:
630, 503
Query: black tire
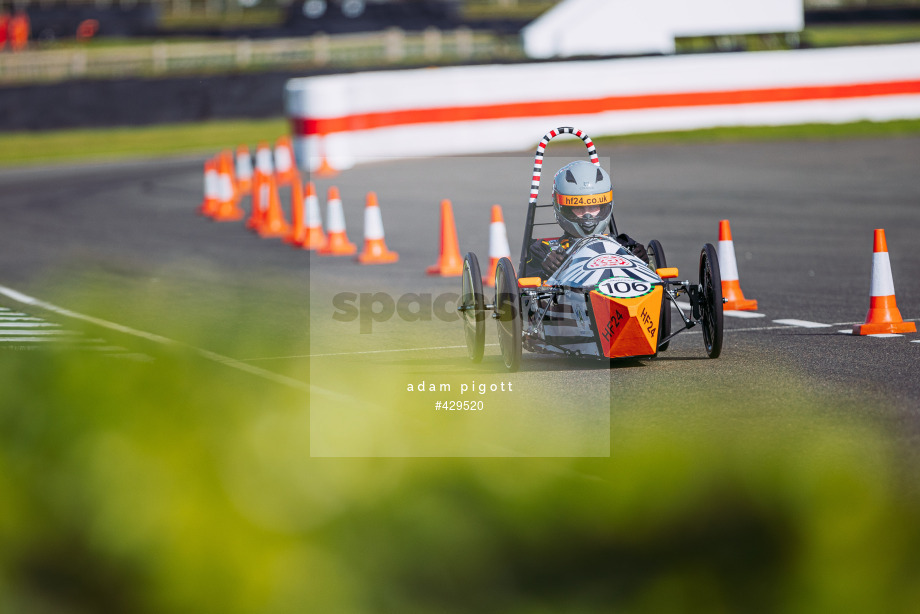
657, 260
508, 312
473, 308
711, 299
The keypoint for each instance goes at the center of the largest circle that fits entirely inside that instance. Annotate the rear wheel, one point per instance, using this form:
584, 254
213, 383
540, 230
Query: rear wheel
508, 314
711, 300
657, 260
472, 308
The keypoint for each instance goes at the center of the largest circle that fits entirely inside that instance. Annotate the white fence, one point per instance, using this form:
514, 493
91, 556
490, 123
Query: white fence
348, 119
391, 47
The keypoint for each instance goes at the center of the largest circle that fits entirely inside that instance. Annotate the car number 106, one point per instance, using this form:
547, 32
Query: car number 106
624, 288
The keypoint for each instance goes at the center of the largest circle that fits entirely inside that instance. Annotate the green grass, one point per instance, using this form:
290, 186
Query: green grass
862, 129
113, 42
836, 35
25, 148
31, 148
255, 17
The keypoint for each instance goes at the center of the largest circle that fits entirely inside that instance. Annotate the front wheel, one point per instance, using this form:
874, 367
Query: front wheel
508, 314
472, 308
711, 300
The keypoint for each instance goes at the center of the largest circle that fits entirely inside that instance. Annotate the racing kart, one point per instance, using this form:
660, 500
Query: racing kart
602, 302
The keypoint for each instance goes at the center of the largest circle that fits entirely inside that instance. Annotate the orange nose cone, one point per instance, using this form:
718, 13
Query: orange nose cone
627, 326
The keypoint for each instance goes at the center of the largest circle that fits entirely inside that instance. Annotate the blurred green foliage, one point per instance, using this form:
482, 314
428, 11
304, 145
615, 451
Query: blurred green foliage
182, 485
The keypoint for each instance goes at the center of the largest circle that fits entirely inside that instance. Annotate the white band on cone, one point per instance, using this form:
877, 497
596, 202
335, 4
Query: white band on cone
244, 166
373, 223
882, 283
225, 188
727, 265
211, 184
313, 219
264, 195
264, 161
335, 216
282, 159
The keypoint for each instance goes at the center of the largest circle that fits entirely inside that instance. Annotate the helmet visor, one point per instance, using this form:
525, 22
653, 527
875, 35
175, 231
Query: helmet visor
582, 200
583, 210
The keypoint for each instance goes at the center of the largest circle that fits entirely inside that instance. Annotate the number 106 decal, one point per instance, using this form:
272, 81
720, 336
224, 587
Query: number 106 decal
619, 287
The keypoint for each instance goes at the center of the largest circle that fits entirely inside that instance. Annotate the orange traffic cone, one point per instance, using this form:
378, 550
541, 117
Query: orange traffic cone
731, 287
375, 249
311, 224
337, 243
211, 202
273, 224
243, 170
260, 186
883, 316
498, 244
259, 200
324, 169
228, 210
450, 262
285, 169
298, 230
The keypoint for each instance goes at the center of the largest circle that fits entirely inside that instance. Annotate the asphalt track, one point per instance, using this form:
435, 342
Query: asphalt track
122, 243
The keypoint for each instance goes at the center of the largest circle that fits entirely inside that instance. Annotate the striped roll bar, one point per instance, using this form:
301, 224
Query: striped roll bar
535, 184
541, 149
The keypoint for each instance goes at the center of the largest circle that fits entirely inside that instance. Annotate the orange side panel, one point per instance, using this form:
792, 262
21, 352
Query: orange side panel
667, 273
530, 282
627, 326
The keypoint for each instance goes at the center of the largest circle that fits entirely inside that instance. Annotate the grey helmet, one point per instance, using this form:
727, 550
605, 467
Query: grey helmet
583, 199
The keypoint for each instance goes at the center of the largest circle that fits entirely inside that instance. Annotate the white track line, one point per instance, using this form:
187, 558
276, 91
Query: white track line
230, 362
780, 327
49, 333
7, 325
734, 313
802, 323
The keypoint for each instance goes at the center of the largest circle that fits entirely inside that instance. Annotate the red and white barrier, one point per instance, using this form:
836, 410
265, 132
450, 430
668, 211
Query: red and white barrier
349, 119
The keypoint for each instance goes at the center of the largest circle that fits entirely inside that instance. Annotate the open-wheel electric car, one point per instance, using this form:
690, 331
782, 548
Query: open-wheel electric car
602, 302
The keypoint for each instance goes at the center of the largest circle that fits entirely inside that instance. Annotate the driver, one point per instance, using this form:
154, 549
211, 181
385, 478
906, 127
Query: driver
583, 203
